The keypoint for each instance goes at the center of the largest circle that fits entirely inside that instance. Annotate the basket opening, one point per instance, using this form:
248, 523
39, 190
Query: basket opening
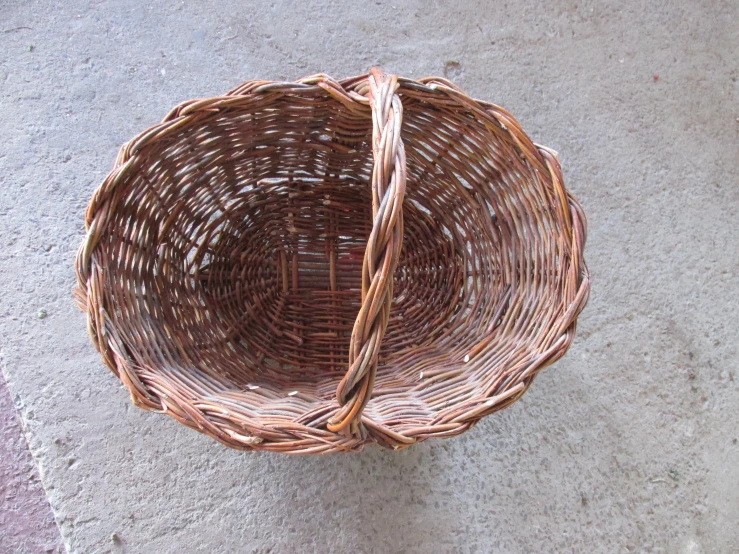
241, 238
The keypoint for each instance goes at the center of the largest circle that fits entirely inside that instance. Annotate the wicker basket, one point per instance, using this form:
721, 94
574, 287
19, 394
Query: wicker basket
308, 267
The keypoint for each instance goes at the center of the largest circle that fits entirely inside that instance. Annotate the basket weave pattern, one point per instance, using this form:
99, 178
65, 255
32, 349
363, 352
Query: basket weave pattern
313, 266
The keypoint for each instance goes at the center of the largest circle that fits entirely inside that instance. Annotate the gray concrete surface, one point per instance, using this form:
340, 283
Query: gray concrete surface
629, 444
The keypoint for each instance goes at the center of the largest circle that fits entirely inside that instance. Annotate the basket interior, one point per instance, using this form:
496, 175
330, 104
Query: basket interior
234, 258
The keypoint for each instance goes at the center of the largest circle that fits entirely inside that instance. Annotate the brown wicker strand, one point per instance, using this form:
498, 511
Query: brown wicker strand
381, 254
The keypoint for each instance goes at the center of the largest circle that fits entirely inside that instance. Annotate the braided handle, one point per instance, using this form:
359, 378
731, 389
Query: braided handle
381, 255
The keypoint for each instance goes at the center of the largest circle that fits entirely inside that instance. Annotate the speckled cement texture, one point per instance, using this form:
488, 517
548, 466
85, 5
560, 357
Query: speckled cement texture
628, 444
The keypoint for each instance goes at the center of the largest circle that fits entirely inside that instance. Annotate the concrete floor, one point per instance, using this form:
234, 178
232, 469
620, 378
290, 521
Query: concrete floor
628, 444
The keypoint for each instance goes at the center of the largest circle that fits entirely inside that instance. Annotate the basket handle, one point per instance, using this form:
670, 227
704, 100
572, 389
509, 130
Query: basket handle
381, 255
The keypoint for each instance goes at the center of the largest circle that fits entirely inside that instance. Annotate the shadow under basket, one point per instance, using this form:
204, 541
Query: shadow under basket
309, 267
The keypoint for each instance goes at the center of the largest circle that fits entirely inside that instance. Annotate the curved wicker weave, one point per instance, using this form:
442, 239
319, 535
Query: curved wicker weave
308, 267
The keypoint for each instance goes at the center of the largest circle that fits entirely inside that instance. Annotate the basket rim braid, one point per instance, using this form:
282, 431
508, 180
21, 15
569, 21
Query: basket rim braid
312, 266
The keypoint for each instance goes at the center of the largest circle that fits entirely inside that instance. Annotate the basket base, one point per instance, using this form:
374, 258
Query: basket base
283, 291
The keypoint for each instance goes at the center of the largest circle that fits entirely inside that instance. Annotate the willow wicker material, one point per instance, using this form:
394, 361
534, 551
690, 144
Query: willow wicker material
308, 267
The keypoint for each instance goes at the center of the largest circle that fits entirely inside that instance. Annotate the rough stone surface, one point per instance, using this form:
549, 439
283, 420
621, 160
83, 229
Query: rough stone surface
627, 444
26, 522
